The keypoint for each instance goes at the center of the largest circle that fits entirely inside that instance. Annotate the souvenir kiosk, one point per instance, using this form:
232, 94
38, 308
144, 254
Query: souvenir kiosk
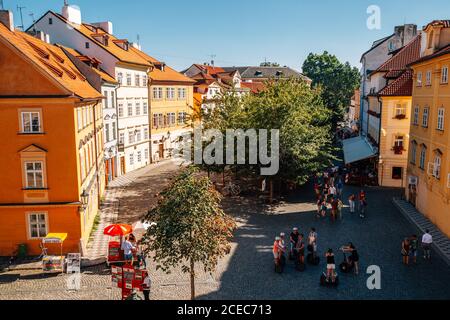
53, 263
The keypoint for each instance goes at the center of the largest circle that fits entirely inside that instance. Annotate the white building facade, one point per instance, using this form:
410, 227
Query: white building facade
130, 71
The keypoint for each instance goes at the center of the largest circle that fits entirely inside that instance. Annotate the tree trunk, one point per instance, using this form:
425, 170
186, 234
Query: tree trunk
192, 280
223, 176
271, 192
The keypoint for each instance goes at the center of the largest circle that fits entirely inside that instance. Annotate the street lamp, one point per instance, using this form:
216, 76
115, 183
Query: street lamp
84, 200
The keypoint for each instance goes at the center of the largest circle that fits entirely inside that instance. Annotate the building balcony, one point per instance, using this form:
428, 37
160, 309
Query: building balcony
398, 150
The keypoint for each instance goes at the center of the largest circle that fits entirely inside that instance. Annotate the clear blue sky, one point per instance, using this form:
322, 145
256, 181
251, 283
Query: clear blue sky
245, 32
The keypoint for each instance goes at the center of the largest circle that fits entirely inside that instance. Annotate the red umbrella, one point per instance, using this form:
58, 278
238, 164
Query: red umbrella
116, 230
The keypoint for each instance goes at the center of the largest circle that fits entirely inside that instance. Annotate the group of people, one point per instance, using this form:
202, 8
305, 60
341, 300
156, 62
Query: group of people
410, 247
131, 249
329, 188
358, 202
297, 245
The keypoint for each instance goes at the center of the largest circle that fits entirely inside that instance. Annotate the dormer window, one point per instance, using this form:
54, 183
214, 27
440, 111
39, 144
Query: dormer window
430, 40
258, 73
124, 44
279, 73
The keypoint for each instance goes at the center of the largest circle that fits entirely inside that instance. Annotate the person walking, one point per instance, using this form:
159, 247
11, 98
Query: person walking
128, 248
406, 247
354, 256
331, 265
414, 247
427, 241
352, 203
146, 287
334, 208
362, 204
312, 242
332, 191
140, 253
293, 239
340, 188
324, 209
300, 248
340, 207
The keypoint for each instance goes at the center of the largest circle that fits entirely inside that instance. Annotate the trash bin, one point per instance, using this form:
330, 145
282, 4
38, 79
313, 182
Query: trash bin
23, 250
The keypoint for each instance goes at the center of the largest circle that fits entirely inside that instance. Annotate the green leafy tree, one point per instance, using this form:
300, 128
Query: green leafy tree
189, 226
269, 64
338, 81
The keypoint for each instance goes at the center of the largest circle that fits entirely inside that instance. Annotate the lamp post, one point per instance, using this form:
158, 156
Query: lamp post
84, 201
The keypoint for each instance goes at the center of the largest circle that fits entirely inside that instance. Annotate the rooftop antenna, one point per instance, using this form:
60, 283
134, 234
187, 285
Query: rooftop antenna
19, 8
1, 5
139, 40
213, 56
34, 22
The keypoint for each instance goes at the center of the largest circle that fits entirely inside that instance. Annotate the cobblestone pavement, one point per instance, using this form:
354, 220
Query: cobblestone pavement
247, 273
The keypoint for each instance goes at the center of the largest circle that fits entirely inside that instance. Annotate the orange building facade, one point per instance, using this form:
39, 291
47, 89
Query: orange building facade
51, 150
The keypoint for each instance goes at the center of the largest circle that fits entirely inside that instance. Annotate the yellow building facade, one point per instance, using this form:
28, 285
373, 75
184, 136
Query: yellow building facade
429, 156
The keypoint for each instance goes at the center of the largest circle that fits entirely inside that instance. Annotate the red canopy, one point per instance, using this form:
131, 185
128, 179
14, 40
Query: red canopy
118, 230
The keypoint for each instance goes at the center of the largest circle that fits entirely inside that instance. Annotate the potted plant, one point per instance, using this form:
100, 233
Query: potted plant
400, 116
398, 149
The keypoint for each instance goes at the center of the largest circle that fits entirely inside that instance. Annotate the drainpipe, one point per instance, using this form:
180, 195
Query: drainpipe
379, 136
149, 85
96, 154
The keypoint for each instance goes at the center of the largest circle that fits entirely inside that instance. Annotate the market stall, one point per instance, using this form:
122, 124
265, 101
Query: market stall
53, 263
117, 231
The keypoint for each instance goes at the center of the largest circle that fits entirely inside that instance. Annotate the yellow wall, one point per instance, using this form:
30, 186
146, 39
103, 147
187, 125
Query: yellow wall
433, 195
390, 128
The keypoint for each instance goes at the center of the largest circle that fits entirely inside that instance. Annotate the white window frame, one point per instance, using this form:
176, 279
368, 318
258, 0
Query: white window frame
170, 93
138, 108
129, 108
145, 108
30, 114
419, 79
139, 156
181, 93
38, 222
444, 75
423, 158
441, 118
157, 93
425, 117
129, 79
34, 171
131, 159
416, 115
428, 78
437, 167
448, 181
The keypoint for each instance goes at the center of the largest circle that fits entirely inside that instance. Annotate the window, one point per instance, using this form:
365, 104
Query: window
139, 156
130, 109
416, 115
106, 100
120, 78
413, 153
107, 132
121, 138
146, 154
158, 93
128, 79
426, 112
161, 120
131, 159
120, 110
397, 173
440, 122
437, 167
399, 144
144, 80
138, 108
87, 45
181, 117
155, 121
146, 134
428, 78
79, 119
400, 111
37, 224
137, 79
131, 137
444, 76
50, 20
181, 93
170, 93
34, 175
145, 108
138, 135
423, 155
114, 130
171, 119
113, 99
419, 79
31, 122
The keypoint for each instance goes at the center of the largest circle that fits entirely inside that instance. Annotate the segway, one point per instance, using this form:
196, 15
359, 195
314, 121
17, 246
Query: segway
310, 257
279, 267
299, 266
327, 282
347, 266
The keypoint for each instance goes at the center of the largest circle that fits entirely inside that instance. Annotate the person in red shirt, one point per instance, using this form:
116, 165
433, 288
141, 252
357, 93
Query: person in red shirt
362, 204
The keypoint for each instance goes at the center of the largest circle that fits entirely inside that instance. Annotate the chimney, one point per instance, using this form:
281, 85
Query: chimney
136, 45
107, 26
7, 18
71, 13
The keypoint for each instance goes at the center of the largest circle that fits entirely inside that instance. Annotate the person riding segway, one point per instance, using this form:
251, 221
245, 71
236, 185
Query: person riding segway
350, 263
300, 254
347, 265
293, 243
330, 278
278, 254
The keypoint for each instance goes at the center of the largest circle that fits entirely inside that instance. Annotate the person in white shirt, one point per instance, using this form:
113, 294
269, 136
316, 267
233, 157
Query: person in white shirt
333, 191
128, 248
146, 287
427, 241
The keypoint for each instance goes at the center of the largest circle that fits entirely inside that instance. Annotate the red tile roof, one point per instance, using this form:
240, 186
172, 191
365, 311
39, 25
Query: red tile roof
445, 50
255, 87
407, 55
443, 23
210, 69
402, 86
